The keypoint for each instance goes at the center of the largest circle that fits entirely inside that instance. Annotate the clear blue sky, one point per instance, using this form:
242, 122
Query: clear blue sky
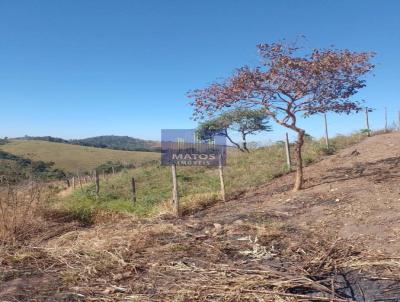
77, 68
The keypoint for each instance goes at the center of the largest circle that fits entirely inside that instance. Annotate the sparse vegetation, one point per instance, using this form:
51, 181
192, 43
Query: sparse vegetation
198, 186
20, 211
15, 168
113, 167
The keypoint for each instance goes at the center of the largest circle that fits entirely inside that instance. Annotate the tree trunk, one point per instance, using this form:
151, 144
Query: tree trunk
298, 185
221, 178
236, 144
245, 143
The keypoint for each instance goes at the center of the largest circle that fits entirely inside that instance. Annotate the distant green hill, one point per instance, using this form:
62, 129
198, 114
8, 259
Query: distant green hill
115, 142
73, 158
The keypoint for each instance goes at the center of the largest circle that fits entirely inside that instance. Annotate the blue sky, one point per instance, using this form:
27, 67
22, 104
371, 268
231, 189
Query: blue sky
78, 68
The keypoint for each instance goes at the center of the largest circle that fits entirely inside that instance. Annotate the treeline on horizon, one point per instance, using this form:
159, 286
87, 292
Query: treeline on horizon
124, 143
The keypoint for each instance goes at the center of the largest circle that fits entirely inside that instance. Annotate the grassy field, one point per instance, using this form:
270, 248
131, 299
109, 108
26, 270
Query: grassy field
72, 158
198, 186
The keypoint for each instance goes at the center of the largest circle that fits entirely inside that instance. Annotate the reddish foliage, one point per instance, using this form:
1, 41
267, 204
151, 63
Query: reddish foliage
289, 83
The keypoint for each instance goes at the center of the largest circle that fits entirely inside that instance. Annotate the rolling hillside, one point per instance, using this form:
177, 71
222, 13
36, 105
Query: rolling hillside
71, 158
116, 142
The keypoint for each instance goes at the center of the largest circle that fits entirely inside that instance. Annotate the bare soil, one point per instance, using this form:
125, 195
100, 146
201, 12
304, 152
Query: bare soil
336, 240
354, 194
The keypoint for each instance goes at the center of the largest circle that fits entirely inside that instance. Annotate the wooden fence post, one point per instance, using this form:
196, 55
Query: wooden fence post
113, 170
73, 182
398, 121
386, 120
97, 180
287, 148
80, 181
221, 178
133, 185
326, 131
175, 195
367, 121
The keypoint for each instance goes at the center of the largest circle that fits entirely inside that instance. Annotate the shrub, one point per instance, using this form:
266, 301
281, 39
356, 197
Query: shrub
325, 150
307, 160
20, 211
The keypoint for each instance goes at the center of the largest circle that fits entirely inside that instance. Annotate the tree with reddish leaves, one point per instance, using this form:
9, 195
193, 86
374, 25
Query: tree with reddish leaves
289, 84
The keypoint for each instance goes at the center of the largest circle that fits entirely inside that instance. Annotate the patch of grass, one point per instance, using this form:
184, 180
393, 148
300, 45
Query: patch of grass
343, 141
84, 205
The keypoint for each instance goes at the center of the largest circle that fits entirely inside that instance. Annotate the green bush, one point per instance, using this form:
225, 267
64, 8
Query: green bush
325, 150
307, 160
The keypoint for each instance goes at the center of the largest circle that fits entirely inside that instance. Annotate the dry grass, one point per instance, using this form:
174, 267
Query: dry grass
20, 210
168, 260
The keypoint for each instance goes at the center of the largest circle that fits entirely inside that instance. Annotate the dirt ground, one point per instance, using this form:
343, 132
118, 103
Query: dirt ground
354, 194
337, 240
